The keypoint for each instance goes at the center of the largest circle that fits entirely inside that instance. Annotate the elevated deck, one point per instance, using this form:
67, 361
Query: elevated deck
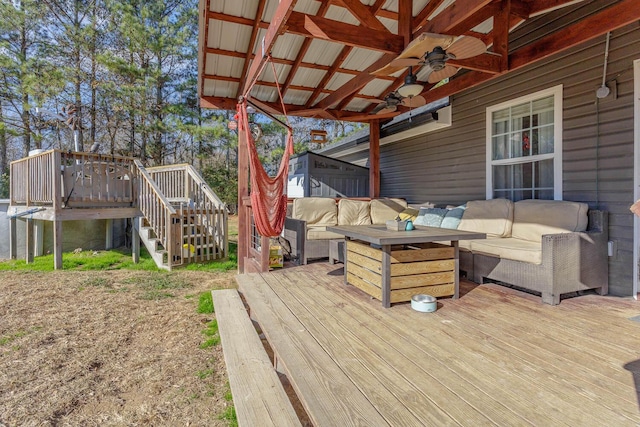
183, 219
496, 356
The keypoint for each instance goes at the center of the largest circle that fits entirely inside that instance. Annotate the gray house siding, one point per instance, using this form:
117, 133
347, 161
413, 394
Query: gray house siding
449, 166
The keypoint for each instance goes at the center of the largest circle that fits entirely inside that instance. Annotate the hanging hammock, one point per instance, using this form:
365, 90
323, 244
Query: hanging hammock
268, 194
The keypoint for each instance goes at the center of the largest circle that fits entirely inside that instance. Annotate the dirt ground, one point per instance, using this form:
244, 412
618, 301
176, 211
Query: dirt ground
104, 348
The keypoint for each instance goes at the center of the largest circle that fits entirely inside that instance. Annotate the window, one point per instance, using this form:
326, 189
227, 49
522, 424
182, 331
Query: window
524, 147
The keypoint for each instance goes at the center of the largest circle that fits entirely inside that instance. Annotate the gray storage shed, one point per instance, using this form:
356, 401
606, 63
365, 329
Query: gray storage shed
312, 174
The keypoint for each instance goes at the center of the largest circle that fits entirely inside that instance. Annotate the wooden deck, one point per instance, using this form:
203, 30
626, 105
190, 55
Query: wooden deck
496, 356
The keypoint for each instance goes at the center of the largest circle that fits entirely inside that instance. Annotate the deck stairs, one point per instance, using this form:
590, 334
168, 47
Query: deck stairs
183, 221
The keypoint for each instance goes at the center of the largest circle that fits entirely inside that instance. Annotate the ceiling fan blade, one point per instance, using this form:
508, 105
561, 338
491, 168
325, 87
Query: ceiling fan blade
387, 109
424, 43
379, 107
414, 102
466, 47
446, 72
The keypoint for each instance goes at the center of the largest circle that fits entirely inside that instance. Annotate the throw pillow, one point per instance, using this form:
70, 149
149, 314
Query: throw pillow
430, 217
453, 217
408, 213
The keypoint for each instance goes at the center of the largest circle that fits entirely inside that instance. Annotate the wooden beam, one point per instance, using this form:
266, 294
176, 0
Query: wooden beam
235, 19
619, 15
421, 19
405, 10
537, 7
374, 159
455, 14
356, 83
277, 26
215, 102
329, 74
363, 14
501, 26
487, 63
57, 244
252, 42
301, 53
477, 18
339, 32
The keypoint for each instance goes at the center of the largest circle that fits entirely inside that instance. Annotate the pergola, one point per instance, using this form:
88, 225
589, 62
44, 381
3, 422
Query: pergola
325, 52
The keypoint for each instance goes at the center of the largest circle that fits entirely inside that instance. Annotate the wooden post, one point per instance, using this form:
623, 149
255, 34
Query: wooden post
13, 238
243, 191
29, 240
108, 238
38, 237
57, 244
374, 159
135, 239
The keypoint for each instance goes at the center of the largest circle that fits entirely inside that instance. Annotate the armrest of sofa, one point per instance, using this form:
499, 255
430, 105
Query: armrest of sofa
295, 232
580, 257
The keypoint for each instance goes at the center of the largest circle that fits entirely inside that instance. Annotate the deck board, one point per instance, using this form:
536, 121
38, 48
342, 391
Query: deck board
496, 356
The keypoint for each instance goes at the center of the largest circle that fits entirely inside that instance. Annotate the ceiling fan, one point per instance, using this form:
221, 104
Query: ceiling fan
433, 51
390, 103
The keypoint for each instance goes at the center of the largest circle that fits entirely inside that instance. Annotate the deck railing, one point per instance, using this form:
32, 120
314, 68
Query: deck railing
68, 179
204, 215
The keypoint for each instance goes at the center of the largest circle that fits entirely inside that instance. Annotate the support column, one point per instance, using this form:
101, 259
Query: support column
108, 238
38, 236
135, 239
29, 241
57, 244
13, 238
243, 191
374, 159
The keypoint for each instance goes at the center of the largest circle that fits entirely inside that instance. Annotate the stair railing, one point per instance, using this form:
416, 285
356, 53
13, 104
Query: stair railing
199, 207
161, 215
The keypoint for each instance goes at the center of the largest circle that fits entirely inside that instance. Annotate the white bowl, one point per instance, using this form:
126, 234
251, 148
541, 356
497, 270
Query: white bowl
424, 303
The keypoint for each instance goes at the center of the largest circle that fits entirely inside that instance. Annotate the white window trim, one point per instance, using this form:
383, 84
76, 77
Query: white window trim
557, 93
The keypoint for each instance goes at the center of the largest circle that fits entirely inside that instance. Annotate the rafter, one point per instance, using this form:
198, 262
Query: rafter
421, 19
284, 10
330, 73
355, 84
454, 15
339, 32
363, 14
252, 42
616, 16
301, 54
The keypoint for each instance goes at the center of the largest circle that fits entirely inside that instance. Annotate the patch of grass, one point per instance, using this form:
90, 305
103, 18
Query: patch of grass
229, 415
205, 303
205, 374
96, 282
157, 281
115, 259
154, 295
213, 337
6, 339
230, 263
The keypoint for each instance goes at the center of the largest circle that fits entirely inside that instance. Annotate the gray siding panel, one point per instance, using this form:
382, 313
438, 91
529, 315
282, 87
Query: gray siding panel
448, 166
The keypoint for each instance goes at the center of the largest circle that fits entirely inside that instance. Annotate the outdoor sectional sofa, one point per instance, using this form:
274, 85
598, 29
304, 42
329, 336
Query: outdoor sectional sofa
306, 226
547, 246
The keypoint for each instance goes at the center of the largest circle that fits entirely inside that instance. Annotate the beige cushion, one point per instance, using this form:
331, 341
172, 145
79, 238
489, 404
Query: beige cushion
534, 218
493, 217
353, 212
316, 210
319, 232
509, 248
386, 209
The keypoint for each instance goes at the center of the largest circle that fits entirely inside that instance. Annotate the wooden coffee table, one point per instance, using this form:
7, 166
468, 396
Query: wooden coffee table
392, 266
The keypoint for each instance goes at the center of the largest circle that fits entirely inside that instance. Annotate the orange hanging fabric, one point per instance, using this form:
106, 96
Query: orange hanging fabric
268, 195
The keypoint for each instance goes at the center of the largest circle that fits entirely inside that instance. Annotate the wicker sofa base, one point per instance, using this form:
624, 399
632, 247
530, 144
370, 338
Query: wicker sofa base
571, 262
